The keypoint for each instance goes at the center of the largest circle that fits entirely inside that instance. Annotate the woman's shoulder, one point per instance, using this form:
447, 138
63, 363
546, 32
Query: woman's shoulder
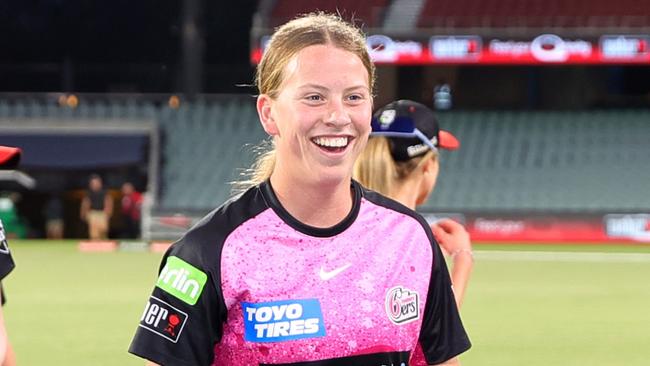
394, 206
211, 231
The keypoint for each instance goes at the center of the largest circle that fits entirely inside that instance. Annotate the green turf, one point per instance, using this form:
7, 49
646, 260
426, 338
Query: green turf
558, 313
555, 247
71, 308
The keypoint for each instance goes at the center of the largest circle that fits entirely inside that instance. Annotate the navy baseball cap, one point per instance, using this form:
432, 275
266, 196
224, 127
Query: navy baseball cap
412, 129
9, 157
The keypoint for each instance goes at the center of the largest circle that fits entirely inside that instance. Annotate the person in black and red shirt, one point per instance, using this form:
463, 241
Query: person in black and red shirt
9, 158
131, 205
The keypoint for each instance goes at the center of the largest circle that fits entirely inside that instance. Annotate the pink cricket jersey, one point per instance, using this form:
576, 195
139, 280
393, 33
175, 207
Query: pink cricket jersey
251, 285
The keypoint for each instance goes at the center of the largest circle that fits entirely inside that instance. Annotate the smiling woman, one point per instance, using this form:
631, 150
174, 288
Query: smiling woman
319, 126
306, 267
280, 61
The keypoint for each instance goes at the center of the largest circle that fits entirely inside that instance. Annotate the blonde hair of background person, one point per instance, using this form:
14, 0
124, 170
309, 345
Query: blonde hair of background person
411, 180
298, 235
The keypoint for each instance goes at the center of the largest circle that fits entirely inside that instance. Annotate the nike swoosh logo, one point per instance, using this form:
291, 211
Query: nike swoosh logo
331, 274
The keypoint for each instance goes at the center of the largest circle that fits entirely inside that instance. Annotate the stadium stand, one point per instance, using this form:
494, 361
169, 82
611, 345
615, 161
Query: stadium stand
367, 12
534, 14
402, 15
205, 148
204, 144
545, 162
509, 161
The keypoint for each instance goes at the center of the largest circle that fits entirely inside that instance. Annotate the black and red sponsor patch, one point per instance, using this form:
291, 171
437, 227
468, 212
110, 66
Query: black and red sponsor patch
163, 319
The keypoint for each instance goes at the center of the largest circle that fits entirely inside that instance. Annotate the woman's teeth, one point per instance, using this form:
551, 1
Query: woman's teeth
331, 141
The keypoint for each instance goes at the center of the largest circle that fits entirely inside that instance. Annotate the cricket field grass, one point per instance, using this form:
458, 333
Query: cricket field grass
526, 304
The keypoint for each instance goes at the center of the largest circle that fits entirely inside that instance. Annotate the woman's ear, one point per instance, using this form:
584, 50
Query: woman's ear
430, 168
427, 167
264, 110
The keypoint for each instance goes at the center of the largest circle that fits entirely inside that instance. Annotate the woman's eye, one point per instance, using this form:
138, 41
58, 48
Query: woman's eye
355, 97
314, 98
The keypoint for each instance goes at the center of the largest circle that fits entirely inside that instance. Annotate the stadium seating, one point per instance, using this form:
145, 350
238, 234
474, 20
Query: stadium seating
403, 15
205, 148
533, 14
366, 12
509, 161
545, 161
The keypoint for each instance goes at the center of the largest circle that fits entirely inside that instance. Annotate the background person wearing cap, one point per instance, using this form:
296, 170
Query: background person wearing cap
401, 161
9, 158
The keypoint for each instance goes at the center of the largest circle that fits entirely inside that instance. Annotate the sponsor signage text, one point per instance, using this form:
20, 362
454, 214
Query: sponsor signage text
473, 49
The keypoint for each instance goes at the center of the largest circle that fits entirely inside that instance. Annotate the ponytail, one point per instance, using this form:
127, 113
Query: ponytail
376, 169
260, 170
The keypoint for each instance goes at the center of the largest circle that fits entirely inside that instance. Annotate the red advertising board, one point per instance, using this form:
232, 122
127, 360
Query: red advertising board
545, 49
560, 228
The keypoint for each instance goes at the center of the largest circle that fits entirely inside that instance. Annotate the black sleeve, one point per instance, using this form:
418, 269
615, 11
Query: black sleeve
6, 261
442, 336
182, 321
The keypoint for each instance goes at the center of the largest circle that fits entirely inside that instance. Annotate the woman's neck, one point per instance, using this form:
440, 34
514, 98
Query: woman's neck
311, 203
407, 192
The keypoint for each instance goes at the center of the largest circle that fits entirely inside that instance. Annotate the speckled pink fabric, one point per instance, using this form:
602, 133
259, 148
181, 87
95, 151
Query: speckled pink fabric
266, 260
417, 357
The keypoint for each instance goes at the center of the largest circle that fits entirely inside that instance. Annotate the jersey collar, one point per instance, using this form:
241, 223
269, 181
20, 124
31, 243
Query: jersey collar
273, 202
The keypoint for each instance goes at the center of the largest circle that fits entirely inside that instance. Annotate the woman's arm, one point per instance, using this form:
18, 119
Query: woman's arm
7, 356
455, 241
3, 337
10, 356
108, 205
85, 207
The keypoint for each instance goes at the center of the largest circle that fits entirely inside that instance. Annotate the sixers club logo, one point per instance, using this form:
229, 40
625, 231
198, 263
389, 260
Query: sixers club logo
402, 305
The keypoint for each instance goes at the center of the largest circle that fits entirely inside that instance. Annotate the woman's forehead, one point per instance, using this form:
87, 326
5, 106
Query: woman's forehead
323, 62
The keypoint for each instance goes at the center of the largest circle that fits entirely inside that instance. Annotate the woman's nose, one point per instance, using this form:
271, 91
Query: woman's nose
338, 113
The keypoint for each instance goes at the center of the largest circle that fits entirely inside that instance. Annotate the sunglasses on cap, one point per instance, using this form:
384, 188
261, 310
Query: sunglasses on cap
400, 127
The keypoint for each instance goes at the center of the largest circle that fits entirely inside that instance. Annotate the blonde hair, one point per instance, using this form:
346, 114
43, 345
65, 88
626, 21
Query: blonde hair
289, 39
309, 30
377, 170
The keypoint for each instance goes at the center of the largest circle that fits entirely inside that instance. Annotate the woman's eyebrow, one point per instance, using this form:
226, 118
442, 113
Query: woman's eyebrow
323, 88
356, 87
313, 86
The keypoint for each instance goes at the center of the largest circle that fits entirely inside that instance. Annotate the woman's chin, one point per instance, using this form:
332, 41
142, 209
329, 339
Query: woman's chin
334, 175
